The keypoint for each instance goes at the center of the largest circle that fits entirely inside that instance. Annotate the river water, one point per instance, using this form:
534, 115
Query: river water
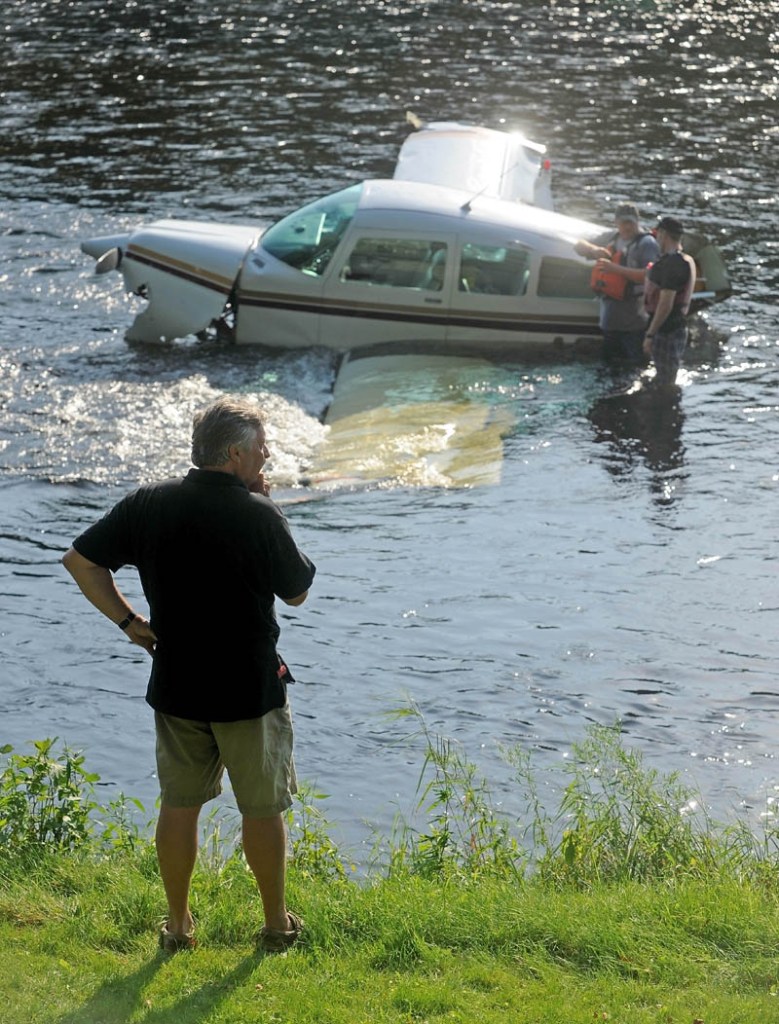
624, 567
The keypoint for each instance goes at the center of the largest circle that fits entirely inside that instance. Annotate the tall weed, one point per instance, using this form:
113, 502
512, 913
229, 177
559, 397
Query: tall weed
464, 833
606, 819
313, 851
47, 801
623, 821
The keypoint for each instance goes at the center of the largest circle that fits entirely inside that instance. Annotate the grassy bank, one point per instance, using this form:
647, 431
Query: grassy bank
623, 909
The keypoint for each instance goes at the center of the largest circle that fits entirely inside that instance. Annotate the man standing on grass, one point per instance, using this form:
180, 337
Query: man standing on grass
212, 551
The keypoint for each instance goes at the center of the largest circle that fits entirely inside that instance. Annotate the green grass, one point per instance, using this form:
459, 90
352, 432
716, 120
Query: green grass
77, 946
622, 908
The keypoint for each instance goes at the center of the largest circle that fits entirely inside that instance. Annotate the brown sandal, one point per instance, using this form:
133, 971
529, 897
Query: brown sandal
171, 943
276, 940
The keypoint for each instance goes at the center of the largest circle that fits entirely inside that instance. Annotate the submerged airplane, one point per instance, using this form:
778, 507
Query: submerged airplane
460, 249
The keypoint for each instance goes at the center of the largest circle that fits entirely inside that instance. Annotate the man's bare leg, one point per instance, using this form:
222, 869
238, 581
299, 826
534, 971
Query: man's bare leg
176, 840
265, 849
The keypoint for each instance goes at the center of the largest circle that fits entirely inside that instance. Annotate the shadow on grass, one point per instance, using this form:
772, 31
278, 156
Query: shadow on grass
122, 999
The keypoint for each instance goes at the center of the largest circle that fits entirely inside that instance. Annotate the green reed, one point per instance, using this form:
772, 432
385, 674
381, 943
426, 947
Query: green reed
609, 819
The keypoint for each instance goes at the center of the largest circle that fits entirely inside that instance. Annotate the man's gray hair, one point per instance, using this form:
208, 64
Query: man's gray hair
226, 422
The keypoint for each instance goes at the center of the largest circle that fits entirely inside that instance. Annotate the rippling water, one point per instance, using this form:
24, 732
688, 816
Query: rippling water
625, 566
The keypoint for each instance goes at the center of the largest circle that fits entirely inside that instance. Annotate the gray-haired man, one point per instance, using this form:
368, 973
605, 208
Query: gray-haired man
212, 551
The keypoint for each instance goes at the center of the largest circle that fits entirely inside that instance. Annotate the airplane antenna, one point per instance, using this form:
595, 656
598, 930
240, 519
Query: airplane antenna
466, 207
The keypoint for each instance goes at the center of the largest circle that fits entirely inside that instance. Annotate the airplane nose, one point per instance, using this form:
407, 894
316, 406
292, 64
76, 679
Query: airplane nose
97, 247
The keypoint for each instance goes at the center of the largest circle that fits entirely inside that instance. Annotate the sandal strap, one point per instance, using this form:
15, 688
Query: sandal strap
276, 939
172, 943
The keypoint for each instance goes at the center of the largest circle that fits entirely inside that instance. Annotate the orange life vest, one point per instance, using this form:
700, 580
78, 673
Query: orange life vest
606, 283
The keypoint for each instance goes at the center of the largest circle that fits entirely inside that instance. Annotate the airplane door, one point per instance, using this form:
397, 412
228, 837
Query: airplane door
491, 301
387, 286
278, 305
279, 293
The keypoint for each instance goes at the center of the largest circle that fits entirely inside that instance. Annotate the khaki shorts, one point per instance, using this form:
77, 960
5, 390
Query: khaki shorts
257, 753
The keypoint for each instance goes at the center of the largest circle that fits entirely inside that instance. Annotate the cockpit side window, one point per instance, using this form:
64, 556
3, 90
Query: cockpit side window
396, 263
307, 238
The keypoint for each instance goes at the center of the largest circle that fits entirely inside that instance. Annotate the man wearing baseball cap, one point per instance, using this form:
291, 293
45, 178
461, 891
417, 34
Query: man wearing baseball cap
667, 293
625, 252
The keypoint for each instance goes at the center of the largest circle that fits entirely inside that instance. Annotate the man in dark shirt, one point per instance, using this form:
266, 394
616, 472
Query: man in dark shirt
212, 551
667, 293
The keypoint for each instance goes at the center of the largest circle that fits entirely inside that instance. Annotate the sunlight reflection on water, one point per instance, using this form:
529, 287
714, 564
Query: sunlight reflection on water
624, 568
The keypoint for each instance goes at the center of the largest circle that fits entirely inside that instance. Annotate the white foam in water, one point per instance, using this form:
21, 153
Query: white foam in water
293, 436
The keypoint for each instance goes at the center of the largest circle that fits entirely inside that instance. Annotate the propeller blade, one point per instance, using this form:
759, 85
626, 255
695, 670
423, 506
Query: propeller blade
108, 261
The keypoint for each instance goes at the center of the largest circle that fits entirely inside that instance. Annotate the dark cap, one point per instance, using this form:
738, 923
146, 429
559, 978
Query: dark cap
627, 211
674, 227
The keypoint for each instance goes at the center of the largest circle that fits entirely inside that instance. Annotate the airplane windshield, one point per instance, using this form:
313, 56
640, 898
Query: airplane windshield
307, 238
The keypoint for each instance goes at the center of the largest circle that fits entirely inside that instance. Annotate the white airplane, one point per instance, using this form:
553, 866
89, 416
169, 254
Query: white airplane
460, 250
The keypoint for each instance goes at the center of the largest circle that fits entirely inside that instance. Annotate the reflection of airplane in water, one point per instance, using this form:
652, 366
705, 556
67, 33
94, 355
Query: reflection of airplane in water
644, 423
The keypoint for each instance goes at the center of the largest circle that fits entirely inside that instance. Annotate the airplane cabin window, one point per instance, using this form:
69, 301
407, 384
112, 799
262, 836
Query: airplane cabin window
564, 279
307, 238
396, 263
494, 270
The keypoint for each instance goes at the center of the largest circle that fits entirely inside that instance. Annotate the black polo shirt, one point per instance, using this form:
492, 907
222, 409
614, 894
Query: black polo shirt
671, 271
211, 557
